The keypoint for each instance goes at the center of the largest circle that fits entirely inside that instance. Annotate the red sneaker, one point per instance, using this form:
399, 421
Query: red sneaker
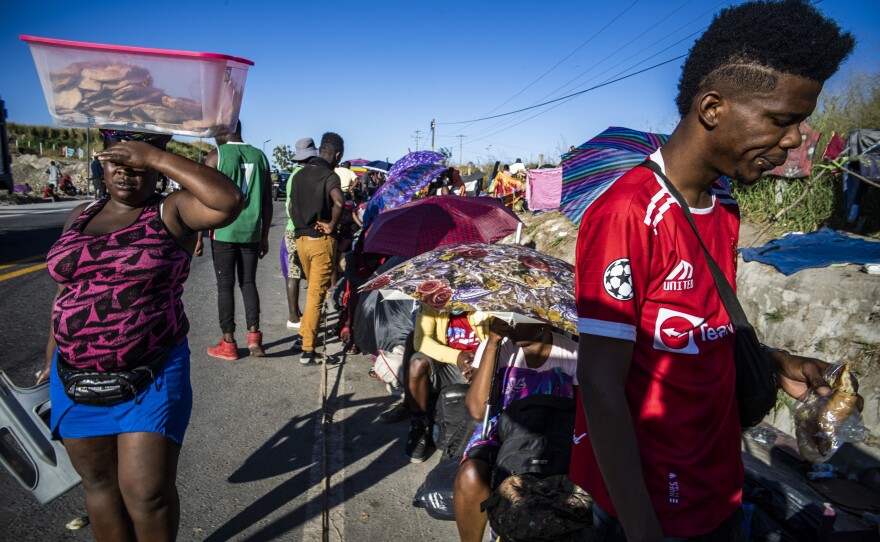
255, 344
224, 350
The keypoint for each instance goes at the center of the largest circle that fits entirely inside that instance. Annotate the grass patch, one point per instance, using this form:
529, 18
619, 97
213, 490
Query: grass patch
774, 317
558, 241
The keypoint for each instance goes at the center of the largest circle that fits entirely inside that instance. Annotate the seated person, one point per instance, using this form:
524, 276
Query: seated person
532, 360
456, 185
445, 344
449, 182
67, 186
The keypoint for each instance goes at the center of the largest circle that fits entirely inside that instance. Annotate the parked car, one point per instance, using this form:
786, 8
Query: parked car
281, 185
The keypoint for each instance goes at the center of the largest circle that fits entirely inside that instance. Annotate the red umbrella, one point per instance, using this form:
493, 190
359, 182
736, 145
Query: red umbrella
439, 221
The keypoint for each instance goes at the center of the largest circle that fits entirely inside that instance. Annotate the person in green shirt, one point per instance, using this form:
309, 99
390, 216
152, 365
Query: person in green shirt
237, 247
305, 151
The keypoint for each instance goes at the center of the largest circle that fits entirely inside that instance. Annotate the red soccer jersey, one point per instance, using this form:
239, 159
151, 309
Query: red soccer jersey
642, 276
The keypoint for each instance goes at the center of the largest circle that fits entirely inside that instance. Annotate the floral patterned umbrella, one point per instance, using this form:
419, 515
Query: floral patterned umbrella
413, 159
401, 190
512, 282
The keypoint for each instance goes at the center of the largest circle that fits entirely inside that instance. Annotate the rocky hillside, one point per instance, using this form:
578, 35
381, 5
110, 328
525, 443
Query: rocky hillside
31, 169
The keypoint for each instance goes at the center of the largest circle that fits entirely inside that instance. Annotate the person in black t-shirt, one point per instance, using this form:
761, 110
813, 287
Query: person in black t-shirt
316, 205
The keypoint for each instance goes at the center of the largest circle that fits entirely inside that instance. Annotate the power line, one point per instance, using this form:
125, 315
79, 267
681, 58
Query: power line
651, 28
565, 99
600, 85
578, 48
488, 129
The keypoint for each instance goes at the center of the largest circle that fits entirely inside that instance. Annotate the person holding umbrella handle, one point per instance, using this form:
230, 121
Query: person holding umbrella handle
531, 360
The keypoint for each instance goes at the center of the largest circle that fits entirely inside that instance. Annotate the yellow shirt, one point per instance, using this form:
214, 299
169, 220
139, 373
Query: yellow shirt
429, 337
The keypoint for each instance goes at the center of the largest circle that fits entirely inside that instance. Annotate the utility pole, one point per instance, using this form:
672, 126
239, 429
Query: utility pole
460, 147
417, 136
432, 133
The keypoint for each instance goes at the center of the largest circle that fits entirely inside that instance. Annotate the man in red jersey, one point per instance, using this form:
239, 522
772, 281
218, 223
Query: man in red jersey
657, 444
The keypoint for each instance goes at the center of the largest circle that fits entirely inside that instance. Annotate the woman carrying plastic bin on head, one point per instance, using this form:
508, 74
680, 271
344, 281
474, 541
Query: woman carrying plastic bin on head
117, 357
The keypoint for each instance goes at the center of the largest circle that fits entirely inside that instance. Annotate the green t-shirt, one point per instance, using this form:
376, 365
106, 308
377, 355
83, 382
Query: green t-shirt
287, 199
248, 168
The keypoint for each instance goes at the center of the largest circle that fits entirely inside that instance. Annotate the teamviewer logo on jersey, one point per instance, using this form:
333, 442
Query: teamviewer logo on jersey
674, 332
618, 280
681, 278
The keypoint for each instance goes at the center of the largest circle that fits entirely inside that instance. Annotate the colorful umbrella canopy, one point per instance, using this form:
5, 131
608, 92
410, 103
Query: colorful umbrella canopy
413, 159
512, 282
378, 165
590, 169
439, 221
357, 165
395, 193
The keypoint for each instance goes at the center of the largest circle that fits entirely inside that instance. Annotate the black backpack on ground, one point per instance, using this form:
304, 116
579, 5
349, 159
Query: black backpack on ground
455, 422
535, 434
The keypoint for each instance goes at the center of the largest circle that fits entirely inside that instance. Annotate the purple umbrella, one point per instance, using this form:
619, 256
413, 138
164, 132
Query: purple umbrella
395, 193
413, 159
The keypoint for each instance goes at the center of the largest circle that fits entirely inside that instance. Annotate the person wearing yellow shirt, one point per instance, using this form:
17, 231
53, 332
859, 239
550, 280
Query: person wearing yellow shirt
445, 344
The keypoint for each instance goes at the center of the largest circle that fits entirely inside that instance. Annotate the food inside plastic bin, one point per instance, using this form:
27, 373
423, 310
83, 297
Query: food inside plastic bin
121, 92
823, 424
131, 88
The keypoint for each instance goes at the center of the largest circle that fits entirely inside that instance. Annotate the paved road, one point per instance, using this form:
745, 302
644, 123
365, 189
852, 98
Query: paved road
251, 465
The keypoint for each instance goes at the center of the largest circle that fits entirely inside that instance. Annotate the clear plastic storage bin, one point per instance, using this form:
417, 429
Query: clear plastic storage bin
139, 89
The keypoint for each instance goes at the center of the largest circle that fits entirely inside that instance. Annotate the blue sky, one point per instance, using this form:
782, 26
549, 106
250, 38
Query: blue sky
376, 72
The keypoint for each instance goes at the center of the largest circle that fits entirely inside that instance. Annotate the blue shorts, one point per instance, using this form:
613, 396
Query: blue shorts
163, 407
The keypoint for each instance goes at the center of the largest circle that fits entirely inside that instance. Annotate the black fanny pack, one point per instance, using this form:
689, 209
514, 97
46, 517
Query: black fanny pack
108, 388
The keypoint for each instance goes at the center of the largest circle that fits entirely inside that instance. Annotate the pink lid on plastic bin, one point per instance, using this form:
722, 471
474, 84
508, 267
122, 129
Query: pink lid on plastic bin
135, 50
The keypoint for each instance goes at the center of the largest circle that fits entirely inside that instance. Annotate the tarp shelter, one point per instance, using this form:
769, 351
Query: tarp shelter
544, 189
382, 324
800, 160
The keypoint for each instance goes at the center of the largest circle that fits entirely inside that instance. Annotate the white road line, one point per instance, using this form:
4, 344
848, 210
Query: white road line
4, 215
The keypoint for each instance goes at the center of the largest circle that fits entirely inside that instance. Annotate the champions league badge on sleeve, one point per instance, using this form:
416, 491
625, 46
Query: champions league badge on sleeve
618, 280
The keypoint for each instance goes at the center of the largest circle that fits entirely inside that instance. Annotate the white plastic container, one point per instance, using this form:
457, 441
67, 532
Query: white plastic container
139, 89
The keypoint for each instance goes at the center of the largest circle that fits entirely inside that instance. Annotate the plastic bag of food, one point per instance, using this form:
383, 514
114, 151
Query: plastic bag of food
823, 424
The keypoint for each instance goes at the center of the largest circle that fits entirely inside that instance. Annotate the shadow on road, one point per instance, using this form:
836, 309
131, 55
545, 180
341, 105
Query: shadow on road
17, 245
360, 437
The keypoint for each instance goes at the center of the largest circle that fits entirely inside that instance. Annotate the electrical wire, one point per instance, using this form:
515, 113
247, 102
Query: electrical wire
578, 48
600, 85
498, 125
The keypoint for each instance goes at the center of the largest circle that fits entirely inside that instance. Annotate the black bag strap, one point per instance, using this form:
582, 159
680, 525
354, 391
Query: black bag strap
728, 297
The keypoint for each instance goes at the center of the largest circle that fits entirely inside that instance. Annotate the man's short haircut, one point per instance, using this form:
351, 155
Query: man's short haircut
747, 46
331, 143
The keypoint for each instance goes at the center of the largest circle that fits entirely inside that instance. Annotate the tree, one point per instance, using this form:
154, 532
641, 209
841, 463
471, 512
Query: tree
283, 156
446, 152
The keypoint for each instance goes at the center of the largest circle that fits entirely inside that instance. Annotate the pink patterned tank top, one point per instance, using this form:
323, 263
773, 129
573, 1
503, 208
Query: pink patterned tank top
121, 303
